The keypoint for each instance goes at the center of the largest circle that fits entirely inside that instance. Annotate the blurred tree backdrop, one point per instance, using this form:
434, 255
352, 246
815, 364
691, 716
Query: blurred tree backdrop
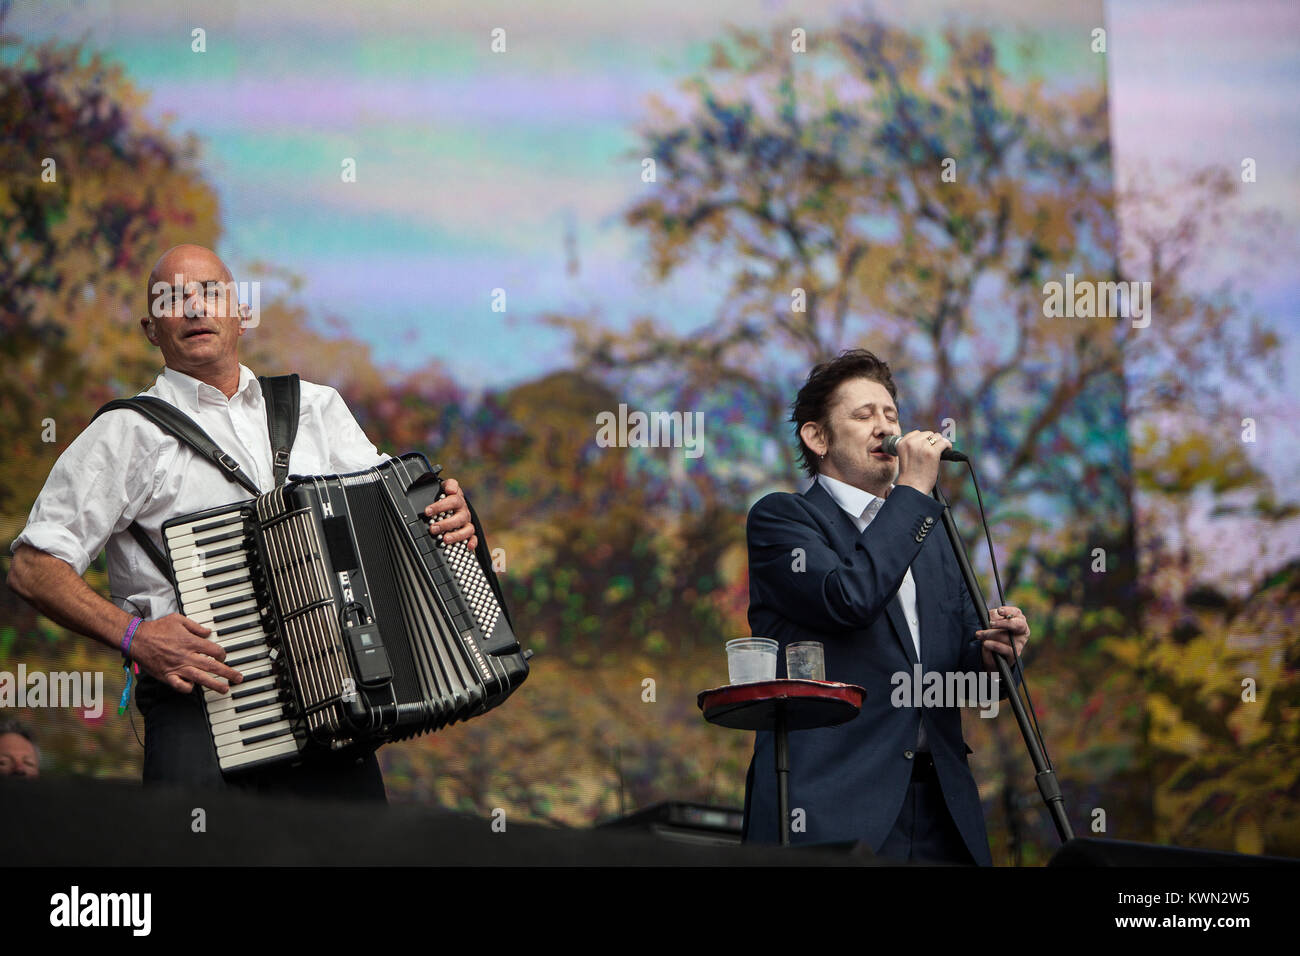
883, 191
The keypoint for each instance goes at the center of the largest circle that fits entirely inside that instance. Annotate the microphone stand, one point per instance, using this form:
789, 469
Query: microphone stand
1048, 786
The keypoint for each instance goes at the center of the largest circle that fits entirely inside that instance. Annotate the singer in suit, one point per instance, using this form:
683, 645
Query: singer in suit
852, 562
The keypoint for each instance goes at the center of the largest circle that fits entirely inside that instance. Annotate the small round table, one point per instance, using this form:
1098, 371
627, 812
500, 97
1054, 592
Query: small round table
782, 706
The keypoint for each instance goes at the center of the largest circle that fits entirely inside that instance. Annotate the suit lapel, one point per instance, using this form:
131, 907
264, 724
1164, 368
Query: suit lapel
844, 537
898, 616
927, 575
901, 631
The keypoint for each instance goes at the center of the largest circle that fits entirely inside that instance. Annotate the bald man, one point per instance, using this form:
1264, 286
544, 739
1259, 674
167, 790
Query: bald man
124, 468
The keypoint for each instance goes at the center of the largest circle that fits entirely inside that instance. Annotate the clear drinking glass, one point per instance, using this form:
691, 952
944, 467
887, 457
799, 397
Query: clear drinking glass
805, 660
751, 659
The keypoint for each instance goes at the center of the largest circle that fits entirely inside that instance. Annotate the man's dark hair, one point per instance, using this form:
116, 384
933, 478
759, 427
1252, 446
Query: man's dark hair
812, 404
11, 725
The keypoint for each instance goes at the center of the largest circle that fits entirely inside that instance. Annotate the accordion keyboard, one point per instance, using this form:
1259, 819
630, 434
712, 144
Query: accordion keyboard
212, 562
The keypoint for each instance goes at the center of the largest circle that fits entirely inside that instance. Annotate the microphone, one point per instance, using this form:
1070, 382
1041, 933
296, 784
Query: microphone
890, 447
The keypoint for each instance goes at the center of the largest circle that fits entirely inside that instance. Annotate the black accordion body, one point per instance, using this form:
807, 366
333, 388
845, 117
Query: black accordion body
350, 622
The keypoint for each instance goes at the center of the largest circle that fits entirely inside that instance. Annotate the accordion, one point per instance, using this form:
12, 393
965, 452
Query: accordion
350, 622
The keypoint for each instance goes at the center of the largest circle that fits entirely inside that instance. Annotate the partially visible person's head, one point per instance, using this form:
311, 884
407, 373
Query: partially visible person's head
843, 411
194, 314
19, 756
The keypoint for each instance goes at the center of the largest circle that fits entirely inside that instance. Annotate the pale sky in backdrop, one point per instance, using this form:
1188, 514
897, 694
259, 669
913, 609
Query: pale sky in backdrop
470, 165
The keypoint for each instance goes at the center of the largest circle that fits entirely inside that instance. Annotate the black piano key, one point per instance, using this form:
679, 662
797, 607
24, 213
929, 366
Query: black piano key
219, 523
260, 722
229, 549
257, 704
267, 736
244, 659
239, 627
230, 584
231, 615
243, 645
226, 602
241, 692
229, 567
235, 531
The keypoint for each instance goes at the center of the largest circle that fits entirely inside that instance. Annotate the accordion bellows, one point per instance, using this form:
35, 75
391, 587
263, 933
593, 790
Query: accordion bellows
350, 622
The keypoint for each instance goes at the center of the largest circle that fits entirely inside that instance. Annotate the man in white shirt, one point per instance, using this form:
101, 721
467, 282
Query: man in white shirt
124, 468
850, 563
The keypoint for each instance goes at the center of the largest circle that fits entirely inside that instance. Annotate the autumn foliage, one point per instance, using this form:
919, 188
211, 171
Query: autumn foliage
625, 568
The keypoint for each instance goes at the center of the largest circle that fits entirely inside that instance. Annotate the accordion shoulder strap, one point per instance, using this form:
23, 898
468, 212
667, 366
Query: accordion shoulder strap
151, 550
281, 394
175, 422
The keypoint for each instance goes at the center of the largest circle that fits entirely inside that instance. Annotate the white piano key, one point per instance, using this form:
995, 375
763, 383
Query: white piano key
212, 524
203, 611
278, 753
257, 631
262, 683
209, 572
231, 725
236, 755
236, 736
229, 720
192, 586
212, 547
240, 593
249, 657
255, 671
193, 556
236, 745
221, 708
250, 670
219, 626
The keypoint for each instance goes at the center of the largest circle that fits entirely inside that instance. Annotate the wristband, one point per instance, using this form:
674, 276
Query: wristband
128, 665
130, 633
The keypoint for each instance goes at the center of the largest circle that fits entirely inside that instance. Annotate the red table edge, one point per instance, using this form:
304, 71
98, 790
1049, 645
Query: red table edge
783, 689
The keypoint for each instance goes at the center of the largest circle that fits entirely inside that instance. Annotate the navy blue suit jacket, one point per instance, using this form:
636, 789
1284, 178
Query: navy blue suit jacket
841, 589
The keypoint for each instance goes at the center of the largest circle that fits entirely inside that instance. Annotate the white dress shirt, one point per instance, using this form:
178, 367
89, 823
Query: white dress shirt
862, 507
123, 467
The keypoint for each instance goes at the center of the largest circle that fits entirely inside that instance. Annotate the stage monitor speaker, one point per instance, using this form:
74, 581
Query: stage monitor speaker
693, 823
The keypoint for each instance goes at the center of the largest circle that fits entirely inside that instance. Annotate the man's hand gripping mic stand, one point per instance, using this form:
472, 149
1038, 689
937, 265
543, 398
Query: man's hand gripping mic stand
1044, 775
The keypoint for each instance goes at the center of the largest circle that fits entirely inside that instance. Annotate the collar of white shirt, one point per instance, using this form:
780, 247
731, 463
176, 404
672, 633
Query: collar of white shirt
188, 389
851, 498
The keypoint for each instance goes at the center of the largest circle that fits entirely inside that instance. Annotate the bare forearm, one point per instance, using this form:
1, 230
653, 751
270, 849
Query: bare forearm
172, 649
51, 586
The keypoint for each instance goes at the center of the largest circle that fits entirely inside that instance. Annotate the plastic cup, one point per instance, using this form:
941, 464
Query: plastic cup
751, 659
805, 660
